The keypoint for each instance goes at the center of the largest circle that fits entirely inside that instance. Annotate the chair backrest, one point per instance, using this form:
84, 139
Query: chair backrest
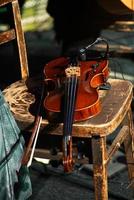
15, 32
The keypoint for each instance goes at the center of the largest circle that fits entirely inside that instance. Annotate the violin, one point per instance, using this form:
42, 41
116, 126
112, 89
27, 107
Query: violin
92, 74
73, 94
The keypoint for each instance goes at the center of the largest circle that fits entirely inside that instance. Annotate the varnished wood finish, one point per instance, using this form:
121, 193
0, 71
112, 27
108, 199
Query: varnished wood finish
87, 102
16, 34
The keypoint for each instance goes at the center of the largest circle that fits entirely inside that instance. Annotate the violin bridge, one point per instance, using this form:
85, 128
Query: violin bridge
71, 71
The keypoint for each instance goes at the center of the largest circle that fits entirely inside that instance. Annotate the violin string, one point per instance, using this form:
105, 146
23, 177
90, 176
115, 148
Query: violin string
72, 101
66, 115
66, 106
70, 95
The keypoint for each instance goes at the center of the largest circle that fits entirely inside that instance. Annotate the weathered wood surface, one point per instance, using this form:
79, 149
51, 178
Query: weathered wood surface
115, 104
119, 139
16, 33
129, 147
100, 168
20, 40
4, 2
7, 36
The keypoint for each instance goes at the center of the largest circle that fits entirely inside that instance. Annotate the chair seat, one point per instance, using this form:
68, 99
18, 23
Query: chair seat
115, 104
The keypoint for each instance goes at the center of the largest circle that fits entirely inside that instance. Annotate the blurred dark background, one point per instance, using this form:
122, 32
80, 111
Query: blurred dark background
54, 27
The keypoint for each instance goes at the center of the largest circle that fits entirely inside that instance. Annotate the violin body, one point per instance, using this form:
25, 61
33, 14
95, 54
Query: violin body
93, 74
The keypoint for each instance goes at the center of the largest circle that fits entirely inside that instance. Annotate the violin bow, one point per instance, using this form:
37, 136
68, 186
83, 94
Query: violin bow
37, 129
27, 157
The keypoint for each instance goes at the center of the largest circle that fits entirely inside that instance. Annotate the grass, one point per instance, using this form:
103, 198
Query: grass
34, 16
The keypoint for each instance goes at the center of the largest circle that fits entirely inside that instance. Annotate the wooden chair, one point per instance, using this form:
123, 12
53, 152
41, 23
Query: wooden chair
116, 112
15, 33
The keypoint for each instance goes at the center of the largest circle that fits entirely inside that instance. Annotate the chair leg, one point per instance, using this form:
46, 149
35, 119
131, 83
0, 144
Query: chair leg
99, 168
129, 149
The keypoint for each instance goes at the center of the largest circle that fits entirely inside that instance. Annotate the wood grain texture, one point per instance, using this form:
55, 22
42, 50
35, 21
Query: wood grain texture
7, 36
115, 104
16, 34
